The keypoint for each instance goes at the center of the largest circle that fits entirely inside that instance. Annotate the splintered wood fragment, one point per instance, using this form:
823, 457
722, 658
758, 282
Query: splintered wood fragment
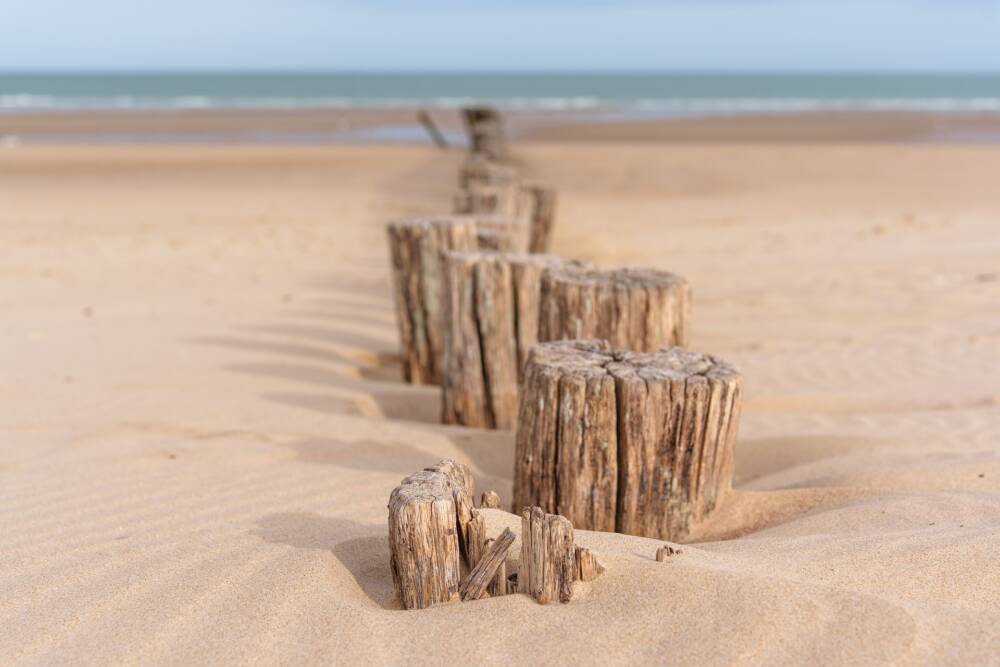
665, 552
541, 205
490, 499
428, 513
587, 567
475, 538
417, 248
491, 305
546, 570
633, 442
500, 584
632, 308
486, 570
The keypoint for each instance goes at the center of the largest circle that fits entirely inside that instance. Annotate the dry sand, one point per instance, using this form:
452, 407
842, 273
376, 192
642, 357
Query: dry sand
202, 418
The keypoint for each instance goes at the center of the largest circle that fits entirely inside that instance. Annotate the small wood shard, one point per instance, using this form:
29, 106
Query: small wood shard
547, 566
587, 568
490, 499
429, 513
665, 552
475, 538
487, 569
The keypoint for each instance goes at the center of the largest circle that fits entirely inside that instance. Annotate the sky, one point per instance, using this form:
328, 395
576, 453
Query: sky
511, 35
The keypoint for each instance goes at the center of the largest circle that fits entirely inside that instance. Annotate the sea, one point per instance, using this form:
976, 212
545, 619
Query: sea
629, 94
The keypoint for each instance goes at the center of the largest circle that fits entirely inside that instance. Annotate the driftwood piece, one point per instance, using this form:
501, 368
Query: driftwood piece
428, 515
500, 584
492, 322
586, 567
665, 552
634, 442
485, 571
417, 250
548, 563
541, 206
484, 126
632, 308
490, 499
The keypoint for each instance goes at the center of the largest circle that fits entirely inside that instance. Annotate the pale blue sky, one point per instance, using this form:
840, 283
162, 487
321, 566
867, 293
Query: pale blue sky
853, 35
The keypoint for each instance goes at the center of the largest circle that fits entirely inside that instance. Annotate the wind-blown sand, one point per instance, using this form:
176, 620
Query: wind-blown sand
202, 419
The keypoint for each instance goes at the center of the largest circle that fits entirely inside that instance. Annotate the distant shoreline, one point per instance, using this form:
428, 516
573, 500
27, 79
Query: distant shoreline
302, 127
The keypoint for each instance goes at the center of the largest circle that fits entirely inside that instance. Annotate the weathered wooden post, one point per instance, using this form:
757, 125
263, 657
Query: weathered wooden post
541, 205
417, 248
634, 442
548, 558
428, 517
497, 199
632, 308
491, 305
484, 126
477, 169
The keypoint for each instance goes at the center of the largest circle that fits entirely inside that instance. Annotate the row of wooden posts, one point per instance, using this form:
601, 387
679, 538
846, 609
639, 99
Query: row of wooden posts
618, 426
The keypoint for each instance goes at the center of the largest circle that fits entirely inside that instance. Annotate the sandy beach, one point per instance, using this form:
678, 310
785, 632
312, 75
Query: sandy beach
203, 417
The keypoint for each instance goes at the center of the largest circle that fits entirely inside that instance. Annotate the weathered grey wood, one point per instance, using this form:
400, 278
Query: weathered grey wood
428, 515
417, 248
634, 442
491, 316
665, 552
586, 566
632, 308
546, 570
541, 206
490, 499
500, 584
484, 126
486, 569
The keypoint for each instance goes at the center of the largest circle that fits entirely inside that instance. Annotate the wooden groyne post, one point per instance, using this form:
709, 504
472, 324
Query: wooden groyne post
634, 442
416, 248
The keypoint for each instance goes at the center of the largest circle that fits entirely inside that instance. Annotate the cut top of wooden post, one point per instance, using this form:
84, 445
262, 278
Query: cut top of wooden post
428, 516
635, 442
636, 309
417, 247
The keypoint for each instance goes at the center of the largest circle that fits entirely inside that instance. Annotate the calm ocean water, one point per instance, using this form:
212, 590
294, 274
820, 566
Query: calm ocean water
666, 94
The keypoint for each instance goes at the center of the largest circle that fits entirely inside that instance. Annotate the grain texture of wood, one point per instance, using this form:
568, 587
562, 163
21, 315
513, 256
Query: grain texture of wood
547, 568
487, 568
587, 568
428, 515
632, 308
474, 538
491, 305
541, 207
634, 442
417, 248
490, 499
